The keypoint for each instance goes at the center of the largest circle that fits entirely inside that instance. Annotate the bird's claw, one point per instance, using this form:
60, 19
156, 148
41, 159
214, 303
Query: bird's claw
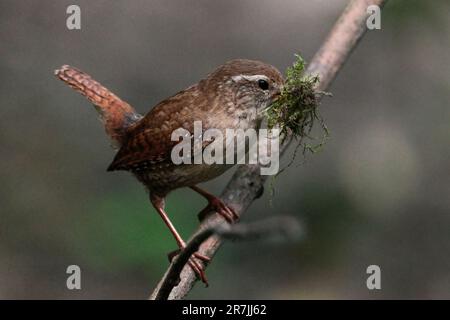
197, 267
217, 205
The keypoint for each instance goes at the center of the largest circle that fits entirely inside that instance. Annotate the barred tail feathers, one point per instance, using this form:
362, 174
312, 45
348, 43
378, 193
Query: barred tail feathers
116, 114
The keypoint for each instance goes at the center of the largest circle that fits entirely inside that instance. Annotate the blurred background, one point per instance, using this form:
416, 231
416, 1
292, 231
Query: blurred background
378, 193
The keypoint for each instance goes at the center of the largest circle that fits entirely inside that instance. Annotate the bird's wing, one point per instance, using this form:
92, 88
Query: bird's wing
149, 141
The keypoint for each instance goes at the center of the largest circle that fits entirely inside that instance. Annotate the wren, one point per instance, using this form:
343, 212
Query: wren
233, 96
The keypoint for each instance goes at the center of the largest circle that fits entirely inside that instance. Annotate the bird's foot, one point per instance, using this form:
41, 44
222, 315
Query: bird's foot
193, 262
217, 205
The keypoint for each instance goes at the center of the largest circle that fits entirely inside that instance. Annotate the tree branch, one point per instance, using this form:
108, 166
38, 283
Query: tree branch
286, 227
247, 184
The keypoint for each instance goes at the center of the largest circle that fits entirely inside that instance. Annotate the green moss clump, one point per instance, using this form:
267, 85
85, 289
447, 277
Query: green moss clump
296, 110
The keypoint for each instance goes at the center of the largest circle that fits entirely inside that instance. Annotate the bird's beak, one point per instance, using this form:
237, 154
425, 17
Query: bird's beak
276, 95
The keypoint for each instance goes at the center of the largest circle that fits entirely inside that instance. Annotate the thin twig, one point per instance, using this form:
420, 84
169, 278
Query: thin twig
247, 184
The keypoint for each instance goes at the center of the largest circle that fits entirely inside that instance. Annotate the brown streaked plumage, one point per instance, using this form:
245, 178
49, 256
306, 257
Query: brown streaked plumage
230, 97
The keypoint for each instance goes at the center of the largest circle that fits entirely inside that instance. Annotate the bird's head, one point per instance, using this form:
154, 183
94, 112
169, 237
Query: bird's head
252, 84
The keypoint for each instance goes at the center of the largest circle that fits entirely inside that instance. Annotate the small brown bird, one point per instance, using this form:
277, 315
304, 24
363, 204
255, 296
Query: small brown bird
232, 96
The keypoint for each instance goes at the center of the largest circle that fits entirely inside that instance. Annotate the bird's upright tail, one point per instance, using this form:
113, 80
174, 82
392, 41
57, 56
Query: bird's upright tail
116, 114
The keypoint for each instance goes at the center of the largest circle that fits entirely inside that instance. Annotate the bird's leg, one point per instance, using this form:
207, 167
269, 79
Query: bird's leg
217, 205
158, 203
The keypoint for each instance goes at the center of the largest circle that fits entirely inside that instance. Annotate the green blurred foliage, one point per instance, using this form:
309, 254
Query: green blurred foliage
123, 231
427, 13
328, 215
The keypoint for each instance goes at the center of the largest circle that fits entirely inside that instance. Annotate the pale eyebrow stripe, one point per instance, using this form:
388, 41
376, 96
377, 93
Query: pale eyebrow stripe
249, 77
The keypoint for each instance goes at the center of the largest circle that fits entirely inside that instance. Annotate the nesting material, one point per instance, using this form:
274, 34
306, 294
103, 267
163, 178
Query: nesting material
296, 110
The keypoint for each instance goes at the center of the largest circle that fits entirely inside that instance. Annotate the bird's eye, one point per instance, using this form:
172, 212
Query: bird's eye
263, 84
